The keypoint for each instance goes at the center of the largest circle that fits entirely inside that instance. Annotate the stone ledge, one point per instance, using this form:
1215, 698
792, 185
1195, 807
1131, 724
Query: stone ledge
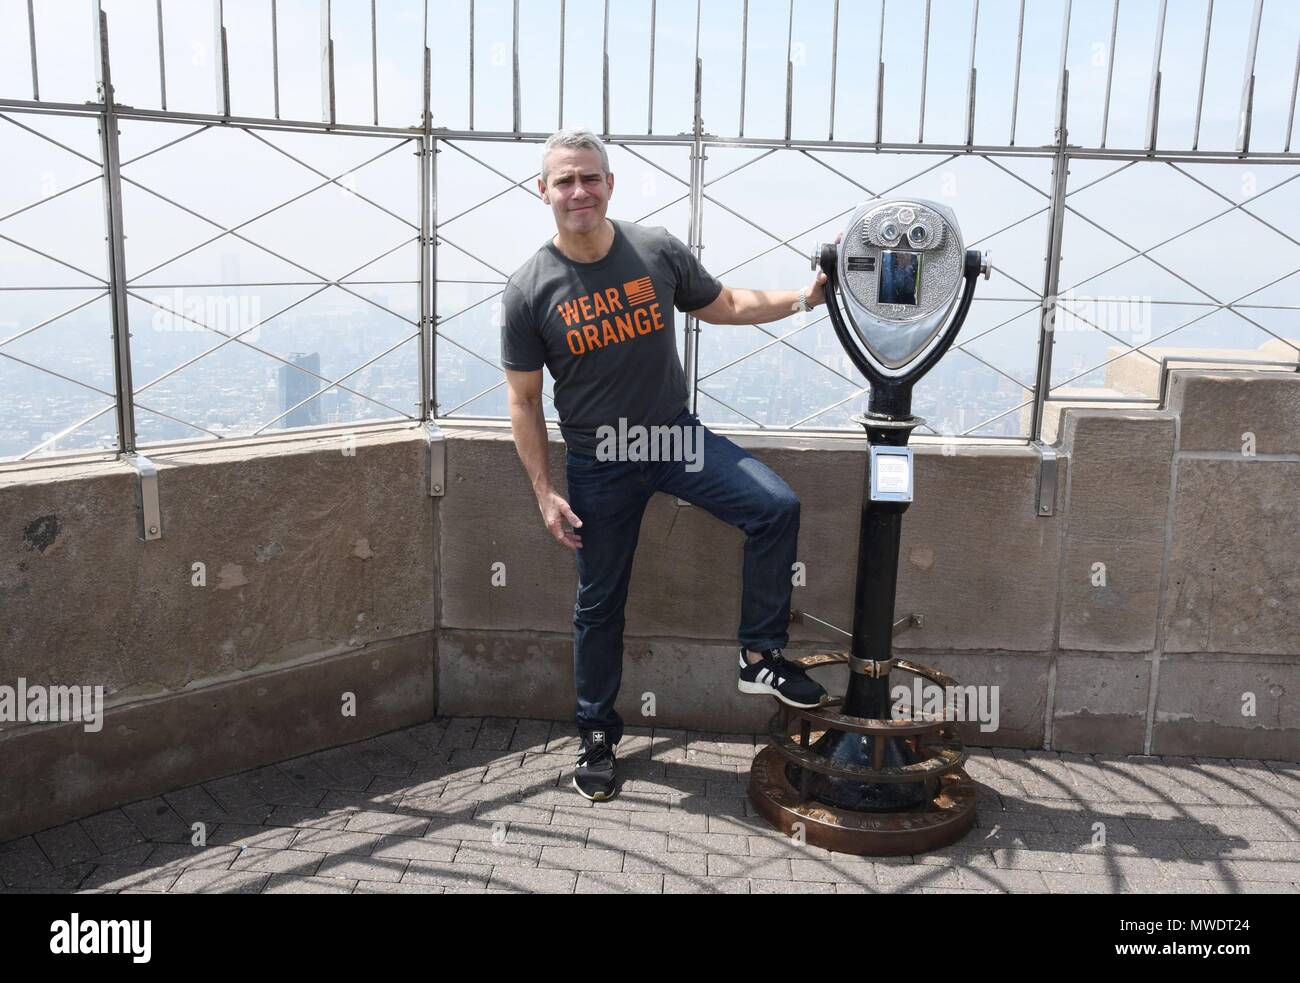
235, 448
1232, 574
693, 682
978, 502
1100, 702
1115, 530
1199, 703
265, 557
751, 439
155, 746
1216, 408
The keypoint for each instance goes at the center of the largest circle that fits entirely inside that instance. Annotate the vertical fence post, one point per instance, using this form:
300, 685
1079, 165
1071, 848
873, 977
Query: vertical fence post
428, 310
328, 107
162, 58
604, 77
650, 88
517, 115
31, 33
1248, 82
374, 61
1052, 272
695, 239
116, 239
221, 57
744, 64
275, 58
1153, 101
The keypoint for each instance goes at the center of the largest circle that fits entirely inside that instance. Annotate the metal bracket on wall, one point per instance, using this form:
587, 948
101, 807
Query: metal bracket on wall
797, 618
146, 496
911, 621
1046, 496
437, 459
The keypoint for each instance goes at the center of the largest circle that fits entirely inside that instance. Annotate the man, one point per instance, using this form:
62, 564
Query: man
595, 306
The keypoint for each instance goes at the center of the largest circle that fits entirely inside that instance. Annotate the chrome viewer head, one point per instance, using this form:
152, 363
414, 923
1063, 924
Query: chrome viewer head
900, 271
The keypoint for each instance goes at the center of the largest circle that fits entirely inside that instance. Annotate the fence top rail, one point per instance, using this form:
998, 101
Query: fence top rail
708, 140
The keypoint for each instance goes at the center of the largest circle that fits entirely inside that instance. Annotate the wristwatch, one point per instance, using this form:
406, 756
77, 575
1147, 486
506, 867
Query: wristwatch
803, 306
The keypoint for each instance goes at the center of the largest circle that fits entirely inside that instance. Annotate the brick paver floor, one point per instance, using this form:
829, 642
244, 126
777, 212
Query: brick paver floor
482, 805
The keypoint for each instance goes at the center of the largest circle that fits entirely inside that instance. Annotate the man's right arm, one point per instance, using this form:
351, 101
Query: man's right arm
528, 424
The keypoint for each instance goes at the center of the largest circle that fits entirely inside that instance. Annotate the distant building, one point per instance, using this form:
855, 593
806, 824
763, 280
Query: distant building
230, 268
295, 386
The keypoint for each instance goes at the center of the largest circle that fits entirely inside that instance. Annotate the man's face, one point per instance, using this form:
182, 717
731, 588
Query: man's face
576, 188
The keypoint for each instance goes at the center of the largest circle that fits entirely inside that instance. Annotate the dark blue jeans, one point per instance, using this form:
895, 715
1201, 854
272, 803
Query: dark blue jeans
610, 497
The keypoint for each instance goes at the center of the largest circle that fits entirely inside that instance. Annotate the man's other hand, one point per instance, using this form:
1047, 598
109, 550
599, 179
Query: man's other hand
817, 292
555, 513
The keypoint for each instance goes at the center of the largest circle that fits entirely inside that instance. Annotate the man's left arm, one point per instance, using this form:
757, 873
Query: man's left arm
740, 305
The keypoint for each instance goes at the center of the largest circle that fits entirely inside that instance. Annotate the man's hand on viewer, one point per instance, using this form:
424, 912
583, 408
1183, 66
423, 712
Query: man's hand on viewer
817, 292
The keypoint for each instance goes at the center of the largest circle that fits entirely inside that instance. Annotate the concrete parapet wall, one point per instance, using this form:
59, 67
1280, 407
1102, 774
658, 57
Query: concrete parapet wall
1158, 602
1076, 616
1194, 513
288, 575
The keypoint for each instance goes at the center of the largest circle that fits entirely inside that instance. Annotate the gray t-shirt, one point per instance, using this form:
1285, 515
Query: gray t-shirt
605, 329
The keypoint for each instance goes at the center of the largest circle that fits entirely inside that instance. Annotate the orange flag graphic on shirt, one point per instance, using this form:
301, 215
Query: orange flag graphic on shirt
639, 291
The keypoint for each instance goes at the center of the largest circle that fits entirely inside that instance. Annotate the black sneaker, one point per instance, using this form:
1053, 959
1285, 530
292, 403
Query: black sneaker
774, 676
594, 776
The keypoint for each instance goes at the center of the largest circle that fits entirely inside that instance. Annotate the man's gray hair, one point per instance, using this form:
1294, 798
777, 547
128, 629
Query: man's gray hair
575, 136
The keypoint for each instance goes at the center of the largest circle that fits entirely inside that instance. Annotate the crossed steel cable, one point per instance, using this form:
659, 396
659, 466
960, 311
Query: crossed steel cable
100, 285
859, 389
320, 281
442, 238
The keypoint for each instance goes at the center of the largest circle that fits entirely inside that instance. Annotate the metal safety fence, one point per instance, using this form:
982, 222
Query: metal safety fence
381, 237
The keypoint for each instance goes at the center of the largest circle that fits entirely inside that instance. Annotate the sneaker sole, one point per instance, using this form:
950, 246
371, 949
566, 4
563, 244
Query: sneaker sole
595, 797
761, 689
